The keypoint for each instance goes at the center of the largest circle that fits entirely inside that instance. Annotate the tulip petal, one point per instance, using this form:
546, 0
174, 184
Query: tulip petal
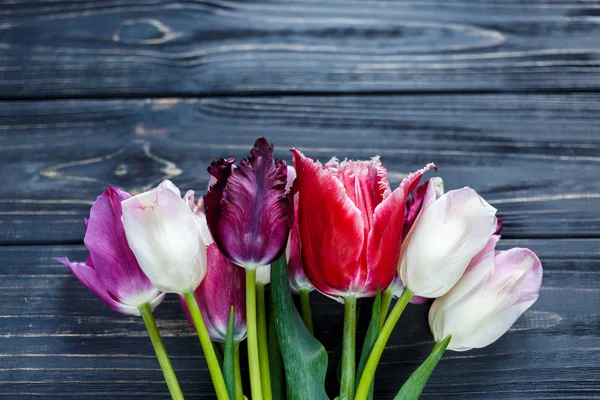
253, 224
365, 183
116, 265
331, 229
495, 306
263, 275
423, 196
86, 273
223, 287
383, 251
479, 270
444, 239
164, 235
291, 177
296, 276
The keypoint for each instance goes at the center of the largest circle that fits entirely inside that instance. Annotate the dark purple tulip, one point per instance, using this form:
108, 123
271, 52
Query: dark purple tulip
247, 208
111, 271
223, 287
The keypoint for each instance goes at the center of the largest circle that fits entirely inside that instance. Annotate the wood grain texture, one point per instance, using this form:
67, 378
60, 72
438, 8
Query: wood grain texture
56, 338
66, 48
56, 157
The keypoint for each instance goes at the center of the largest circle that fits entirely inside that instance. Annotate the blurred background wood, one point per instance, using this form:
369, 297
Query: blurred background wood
502, 95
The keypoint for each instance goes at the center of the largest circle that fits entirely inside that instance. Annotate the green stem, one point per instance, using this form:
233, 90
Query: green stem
412, 388
253, 355
161, 352
305, 309
349, 350
263, 344
369, 373
386, 301
207, 347
237, 373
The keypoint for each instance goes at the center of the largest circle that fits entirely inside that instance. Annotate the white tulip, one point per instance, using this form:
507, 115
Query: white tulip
263, 275
496, 289
446, 235
166, 238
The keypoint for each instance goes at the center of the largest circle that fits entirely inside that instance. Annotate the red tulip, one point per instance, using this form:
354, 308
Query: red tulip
350, 224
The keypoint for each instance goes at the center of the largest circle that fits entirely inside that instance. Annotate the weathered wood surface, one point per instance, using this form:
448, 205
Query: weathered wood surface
147, 47
536, 158
503, 95
57, 339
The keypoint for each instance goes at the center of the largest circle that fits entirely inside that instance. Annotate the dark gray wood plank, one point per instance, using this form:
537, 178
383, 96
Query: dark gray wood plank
56, 339
70, 48
534, 157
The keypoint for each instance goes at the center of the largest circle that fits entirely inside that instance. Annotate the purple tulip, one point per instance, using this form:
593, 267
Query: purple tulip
223, 287
247, 209
111, 271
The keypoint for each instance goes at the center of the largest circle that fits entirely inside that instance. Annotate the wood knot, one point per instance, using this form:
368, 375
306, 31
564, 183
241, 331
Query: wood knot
146, 31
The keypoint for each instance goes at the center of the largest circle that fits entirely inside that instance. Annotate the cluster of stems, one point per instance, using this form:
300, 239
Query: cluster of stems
258, 347
258, 355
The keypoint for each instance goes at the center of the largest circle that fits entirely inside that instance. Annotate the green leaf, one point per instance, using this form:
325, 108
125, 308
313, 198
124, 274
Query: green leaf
228, 358
218, 353
412, 388
370, 338
275, 361
304, 358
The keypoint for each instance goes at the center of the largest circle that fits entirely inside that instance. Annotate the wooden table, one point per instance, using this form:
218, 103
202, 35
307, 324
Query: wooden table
502, 95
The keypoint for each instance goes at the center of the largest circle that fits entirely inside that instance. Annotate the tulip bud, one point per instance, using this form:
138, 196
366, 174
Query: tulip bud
166, 238
446, 235
223, 287
111, 271
496, 289
263, 275
248, 209
350, 224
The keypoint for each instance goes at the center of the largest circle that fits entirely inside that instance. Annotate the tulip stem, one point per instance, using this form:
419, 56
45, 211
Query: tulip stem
364, 385
263, 344
386, 301
237, 373
207, 347
348, 350
253, 355
305, 309
161, 352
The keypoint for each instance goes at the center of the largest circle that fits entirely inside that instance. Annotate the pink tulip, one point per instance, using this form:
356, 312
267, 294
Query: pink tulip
111, 271
222, 288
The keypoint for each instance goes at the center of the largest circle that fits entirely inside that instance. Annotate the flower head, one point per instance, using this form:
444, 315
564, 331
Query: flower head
496, 289
447, 233
223, 287
247, 208
350, 224
111, 271
166, 238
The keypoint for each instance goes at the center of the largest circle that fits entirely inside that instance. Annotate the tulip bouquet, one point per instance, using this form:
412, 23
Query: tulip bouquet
338, 228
